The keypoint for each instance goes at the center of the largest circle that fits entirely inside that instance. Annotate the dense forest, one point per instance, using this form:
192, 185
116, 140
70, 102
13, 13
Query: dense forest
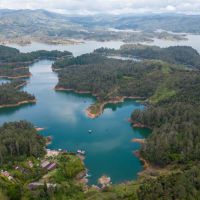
109, 78
13, 63
19, 139
9, 55
10, 95
174, 121
12, 71
184, 55
180, 185
22, 152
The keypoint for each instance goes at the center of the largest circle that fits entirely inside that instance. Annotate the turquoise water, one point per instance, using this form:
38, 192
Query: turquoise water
109, 149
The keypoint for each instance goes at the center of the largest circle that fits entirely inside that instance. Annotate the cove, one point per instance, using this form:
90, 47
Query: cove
109, 149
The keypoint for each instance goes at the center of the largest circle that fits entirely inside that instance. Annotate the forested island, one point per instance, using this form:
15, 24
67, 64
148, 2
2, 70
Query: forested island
183, 55
167, 81
14, 66
112, 80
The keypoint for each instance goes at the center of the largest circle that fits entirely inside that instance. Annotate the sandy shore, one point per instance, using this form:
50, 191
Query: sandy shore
18, 104
138, 125
137, 153
39, 129
138, 140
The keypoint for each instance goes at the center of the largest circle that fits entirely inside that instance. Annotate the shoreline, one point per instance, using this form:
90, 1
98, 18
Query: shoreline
16, 77
18, 104
72, 90
103, 104
48, 41
138, 140
21, 85
145, 163
137, 153
138, 124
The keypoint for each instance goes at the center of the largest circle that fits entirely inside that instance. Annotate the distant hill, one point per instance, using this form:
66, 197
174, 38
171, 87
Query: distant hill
173, 22
33, 22
42, 18
183, 55
42, 25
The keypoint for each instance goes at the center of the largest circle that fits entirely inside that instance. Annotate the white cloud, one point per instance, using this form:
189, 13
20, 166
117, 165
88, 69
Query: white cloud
105, 6
170, 8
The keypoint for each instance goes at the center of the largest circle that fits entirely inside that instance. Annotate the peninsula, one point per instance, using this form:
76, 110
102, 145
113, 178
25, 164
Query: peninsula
112, 80
15, 67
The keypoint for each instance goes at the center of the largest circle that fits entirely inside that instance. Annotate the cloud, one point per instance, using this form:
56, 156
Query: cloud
170, 8
106, 6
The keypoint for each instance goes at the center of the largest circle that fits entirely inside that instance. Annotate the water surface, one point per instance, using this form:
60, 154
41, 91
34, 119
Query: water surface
78, 49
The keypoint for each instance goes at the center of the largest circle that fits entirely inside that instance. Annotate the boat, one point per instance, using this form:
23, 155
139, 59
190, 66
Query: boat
87, 175
81, 152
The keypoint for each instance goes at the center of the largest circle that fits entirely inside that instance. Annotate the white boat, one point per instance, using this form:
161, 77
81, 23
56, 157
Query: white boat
81, 152
87, 175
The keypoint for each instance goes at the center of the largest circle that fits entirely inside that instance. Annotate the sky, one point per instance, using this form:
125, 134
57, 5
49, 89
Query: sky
106, 6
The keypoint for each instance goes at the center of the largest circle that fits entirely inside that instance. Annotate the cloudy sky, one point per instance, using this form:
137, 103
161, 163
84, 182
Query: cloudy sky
106, 6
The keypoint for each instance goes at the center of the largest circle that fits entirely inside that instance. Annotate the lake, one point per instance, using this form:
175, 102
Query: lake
109, 149
78, 49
